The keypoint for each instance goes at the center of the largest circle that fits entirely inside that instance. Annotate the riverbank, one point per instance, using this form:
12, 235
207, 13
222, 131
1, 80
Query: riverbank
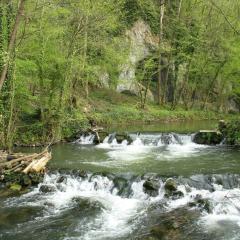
106, 108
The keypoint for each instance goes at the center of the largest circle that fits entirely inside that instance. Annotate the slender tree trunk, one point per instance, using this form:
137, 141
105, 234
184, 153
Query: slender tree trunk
40, 63
179, 8
145, 93
85, 56
162, 7
11, 120
178, 98
12, 42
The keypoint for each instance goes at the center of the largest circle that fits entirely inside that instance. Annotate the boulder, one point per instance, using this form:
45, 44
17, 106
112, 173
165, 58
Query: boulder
120, 137
47, 189
151, 187
61, 179
208, 137
170, 185
171, 190
82, 174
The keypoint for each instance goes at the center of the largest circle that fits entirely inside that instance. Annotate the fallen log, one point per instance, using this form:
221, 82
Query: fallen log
38, 165
29, 163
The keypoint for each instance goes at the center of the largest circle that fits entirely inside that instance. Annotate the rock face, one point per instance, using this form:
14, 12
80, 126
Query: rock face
208, 137
142, 42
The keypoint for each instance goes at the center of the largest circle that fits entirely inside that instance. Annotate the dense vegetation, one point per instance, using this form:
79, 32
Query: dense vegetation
54, 55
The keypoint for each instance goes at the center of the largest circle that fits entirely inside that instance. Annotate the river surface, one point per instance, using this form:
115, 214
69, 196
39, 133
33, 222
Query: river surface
98, 192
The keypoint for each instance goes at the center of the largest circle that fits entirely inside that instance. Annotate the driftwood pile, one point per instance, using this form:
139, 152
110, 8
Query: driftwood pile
25, 163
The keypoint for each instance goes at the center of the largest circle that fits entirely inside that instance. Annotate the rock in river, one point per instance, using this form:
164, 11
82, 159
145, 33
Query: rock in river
208, 137
151, 187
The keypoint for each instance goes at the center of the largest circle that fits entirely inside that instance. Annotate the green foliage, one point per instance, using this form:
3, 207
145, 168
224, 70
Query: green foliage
232, 132
67, 51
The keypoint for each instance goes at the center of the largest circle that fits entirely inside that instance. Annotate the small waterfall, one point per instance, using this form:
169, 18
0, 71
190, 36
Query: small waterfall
86, 139
141, 139
111, 138
169, 145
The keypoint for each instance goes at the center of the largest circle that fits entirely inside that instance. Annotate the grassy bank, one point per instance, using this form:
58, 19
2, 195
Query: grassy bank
107, 108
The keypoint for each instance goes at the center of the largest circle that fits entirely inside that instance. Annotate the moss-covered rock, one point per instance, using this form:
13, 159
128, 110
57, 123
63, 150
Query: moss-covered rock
15, 187
151, 187
170, 185
171, 190
21, 179
208, 137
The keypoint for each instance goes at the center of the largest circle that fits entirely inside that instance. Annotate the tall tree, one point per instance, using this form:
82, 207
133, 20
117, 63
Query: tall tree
12, 42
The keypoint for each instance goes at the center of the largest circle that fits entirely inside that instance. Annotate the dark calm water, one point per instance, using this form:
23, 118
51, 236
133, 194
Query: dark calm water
109, 202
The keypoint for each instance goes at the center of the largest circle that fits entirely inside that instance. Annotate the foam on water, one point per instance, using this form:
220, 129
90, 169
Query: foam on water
86, 139
160, 146
119, 214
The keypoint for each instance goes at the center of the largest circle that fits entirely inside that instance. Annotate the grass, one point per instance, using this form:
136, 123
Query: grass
109, 107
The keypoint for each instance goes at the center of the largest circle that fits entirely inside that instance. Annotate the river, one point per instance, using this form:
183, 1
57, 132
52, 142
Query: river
99, 192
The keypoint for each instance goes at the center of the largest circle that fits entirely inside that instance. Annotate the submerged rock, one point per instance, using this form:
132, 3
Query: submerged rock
177, 224
166, 139
122, 185
84, 204
208, 137
202, 203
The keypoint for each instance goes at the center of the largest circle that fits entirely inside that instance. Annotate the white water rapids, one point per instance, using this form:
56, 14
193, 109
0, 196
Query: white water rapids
119, 215
70, 205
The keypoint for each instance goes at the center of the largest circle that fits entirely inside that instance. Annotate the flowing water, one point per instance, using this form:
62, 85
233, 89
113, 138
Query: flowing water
97, 192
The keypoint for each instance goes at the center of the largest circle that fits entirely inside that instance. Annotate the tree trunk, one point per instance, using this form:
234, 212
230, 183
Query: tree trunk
162, 7
85, 56
12, 42
179, 8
